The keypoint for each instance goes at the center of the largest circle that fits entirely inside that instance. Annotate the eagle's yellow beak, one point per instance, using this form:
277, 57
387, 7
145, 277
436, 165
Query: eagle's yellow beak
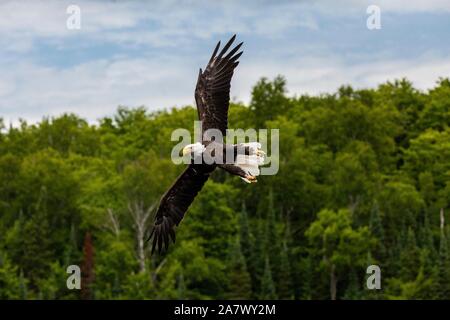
186, 150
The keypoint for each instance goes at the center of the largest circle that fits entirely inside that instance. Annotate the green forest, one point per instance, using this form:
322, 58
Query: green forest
364, 179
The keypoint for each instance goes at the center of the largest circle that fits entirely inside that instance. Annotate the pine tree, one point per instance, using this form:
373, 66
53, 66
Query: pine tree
306, 273
272, 241
87, 268
245, 236
37, 248
442, 284
71, 252
9, 279
353, 291
429, 255
268, 291
240, 282
376, 227
284, 283
256, 263
393, 262
117, 286
23, 286
427, 236
395, 251
410, 257
181, 286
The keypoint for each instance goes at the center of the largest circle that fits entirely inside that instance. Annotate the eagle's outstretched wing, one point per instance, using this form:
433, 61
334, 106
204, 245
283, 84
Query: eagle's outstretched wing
175, 202
212, 93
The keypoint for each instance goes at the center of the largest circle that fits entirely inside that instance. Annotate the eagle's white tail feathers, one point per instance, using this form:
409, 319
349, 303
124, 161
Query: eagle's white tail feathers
250, 164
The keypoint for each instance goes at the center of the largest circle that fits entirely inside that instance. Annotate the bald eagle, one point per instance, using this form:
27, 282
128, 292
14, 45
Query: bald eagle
212, 95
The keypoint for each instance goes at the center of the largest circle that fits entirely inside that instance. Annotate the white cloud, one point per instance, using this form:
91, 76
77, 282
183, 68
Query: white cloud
48, 18
93, 89
96, 88
396, 6
25, 22
320, 74
39, 18
161, 23
403, 6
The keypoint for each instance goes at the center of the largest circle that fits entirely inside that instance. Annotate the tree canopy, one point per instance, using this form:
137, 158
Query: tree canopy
364, 179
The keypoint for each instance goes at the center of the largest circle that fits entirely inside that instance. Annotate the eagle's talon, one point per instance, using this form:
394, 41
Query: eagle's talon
251, 178
260, 153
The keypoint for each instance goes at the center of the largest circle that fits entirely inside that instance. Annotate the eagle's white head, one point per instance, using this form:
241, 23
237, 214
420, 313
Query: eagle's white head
196, 149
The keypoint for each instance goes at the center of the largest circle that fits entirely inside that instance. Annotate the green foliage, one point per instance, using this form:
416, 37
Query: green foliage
376, 229
137, 286
284, 283
341, 246
212, 219
265, 95
363, 176
336, 240
442, 287
239, 278
9, 279
436, 113
267, 286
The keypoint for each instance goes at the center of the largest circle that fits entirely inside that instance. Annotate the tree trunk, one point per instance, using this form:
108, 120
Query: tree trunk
141, 250
140, 217
87, 268
333, 282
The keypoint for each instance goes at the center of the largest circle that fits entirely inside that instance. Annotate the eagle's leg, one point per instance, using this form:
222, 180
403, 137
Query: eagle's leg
238, 171
251, 148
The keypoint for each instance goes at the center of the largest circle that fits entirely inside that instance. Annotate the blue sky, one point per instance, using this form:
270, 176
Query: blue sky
137, 53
